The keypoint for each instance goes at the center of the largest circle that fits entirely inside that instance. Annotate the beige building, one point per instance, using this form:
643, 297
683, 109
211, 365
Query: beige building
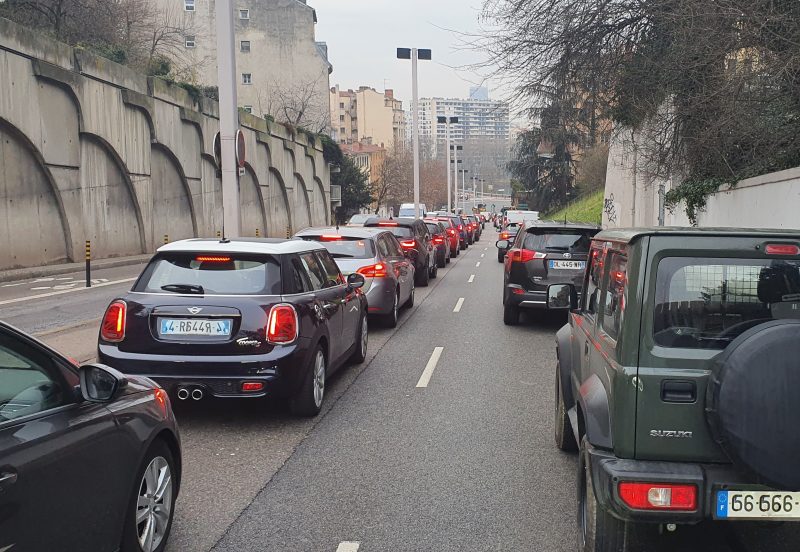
367, 157
282, 71
367, 116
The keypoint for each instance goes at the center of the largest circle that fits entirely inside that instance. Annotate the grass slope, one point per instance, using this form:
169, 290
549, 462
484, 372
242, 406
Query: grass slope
586, 209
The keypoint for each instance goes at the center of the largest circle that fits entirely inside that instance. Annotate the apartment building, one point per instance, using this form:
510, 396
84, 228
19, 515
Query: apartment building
282, 70
367, 157
367, 116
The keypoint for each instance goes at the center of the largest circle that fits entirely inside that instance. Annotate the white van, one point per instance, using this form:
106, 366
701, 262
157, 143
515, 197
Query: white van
521, 216
407, 210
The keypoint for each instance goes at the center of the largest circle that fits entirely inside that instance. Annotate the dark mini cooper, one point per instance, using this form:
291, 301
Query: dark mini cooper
239, 318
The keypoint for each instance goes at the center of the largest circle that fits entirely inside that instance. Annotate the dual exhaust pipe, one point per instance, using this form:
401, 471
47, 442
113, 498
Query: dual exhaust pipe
184, 393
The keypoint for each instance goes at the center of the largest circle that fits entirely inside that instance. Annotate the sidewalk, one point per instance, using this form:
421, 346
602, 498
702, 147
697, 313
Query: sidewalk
18, 274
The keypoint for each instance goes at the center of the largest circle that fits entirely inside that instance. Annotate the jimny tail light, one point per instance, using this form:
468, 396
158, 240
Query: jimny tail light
658, 496
438, 239
282, 324
113, 326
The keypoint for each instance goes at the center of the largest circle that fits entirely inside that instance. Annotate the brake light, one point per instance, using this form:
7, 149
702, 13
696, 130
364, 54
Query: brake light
408, 243
373, 271
251, 386
451, 232
524, 255
782, 249
330, 238
387, 224
113, 327
658, 496
460, 227
438, 239
212, 259
282, 324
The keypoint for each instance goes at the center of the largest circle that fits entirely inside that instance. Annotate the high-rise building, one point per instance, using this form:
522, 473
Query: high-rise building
367, 116
281, 69
479, 93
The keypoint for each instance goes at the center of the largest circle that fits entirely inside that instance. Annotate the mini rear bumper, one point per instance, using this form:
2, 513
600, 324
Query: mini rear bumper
608, 472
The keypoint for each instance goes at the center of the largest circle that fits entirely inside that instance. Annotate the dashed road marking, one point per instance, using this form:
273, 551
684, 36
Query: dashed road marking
477, 264
485, 249
62, 291
483, 255
471, 279
430, 367
458, 304
348, 546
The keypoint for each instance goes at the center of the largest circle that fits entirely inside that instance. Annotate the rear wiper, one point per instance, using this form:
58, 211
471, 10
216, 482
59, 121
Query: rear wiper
342, 256
184, 288
556, 248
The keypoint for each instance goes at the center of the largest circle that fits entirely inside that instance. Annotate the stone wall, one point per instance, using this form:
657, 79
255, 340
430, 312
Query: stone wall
90, 150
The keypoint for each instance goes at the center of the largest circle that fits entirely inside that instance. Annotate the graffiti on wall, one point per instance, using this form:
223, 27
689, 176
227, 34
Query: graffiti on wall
610, 209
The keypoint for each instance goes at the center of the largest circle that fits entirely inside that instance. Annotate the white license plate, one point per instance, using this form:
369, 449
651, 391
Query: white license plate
757, 505
568, 265
194, 326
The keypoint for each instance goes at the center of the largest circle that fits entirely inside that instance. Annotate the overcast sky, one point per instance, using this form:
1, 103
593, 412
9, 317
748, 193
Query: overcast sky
363, 36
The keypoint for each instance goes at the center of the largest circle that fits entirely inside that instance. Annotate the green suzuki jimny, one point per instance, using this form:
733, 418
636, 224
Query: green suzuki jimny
677, 380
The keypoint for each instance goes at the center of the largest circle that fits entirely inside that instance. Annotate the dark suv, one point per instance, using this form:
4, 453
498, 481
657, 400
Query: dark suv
417, 244
676, 378
543, 253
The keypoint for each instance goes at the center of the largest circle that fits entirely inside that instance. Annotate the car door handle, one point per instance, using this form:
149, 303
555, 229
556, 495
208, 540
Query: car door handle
678, 391
586, 347
7, 479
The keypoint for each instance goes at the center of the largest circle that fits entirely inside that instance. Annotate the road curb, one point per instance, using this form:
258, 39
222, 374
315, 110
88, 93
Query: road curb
17, 274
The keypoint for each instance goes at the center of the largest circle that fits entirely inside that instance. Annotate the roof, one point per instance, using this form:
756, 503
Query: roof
398, 221
266, 246
358, 147
627, 235
559, 224
346, 231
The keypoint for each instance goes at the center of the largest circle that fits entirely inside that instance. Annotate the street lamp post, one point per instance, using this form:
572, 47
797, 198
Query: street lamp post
447, 121
456, 161
414, 54
464, 187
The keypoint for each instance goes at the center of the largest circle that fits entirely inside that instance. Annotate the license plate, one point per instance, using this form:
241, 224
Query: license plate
568, 265
194, 326
757, 505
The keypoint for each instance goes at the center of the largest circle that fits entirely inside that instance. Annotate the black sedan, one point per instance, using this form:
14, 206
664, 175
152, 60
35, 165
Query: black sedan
89, 459
239, 318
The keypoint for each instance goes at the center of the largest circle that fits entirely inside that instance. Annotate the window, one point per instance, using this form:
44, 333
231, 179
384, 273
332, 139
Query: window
614, 304
300, 281
313, 269
244, 46
244, 14
342, 130
247, 78
591, 287
341, 105
189, 41
188, 5
559, 241
394, 246
345, 248
248, 108
383, 249
333, 277
30, 381
341, 118
705, 303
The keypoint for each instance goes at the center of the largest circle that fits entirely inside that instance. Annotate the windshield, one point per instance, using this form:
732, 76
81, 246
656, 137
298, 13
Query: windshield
567, 241
360, 218
212, 274
706, 303
345, 247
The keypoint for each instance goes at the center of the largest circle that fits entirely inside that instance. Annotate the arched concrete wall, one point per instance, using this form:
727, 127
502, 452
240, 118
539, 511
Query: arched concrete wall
121, 159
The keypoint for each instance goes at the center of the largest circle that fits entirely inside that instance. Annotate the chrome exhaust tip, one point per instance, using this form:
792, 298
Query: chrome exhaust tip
197, 394
183, 393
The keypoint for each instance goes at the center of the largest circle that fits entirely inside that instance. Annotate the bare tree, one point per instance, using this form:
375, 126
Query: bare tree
302, 104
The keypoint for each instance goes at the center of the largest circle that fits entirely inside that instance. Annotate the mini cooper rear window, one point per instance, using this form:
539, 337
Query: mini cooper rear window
212, 274
705, 303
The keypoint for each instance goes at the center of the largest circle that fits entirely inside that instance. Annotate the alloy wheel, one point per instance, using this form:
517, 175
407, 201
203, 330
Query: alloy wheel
319, 378
364, 337
154, 504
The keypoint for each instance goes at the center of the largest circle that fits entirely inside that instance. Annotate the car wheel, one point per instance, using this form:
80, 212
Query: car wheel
565, 438
360, 354
410, 301
152, 503
510, 315
500, 256
443, 261
424, 276
308, 401
391, 319
434, 269
598, 530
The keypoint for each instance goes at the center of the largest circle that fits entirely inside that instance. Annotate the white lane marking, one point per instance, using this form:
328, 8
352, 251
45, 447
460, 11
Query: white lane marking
14, 285
471, 279
458, 304
65, 278
477, 264
485, 249
40, 288
348, 546
430, 367
483, 255
62, 291
43, 280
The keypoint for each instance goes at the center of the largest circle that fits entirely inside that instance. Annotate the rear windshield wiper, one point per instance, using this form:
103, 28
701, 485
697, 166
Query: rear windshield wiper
184, 288
342, 256
556, 248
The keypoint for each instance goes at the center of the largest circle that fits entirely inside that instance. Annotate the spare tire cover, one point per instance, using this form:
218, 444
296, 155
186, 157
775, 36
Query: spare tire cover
753, 402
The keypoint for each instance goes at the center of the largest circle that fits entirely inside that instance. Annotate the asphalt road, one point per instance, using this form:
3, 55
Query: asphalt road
441, 441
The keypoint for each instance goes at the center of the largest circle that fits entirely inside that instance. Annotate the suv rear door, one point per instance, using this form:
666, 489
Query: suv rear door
560, 256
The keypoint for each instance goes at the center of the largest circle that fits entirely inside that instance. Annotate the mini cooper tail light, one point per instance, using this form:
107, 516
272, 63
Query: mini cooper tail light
282, 324
113, 326
658, 496
252, 386
786, 249
377, 270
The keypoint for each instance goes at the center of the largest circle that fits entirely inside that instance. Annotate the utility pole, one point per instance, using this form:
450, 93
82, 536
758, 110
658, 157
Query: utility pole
228, 120
464, 186
414, 54
455, 174
447, 121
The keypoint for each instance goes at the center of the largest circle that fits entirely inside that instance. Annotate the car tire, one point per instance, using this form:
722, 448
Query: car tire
424, 276
598, 530
510, 315
410, 300
434, 269
565, 438
500, 256
360, 352
443, 261
157, 461
308, 400
390, 320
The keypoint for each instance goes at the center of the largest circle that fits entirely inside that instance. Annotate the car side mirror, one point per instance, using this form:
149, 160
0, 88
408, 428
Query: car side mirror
355, 280
101, 383
562, 296
502, 244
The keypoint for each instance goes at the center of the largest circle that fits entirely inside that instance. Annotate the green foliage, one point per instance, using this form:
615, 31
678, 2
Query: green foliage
586, 209
110, 51
694, 192
159, 67
331, 150
355, 188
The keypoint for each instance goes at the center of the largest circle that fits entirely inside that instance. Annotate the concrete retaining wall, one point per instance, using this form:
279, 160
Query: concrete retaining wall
90, 150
